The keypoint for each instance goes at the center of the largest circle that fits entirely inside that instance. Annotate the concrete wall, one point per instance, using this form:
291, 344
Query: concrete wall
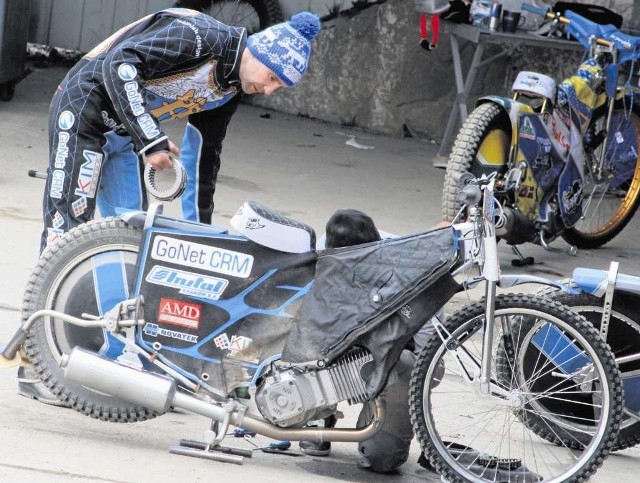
369, 71
81, 24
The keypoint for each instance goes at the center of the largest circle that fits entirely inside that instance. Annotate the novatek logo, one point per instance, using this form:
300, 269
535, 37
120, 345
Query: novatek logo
175, 312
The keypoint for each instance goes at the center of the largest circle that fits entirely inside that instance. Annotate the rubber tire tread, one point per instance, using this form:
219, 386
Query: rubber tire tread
467, 313
464, 151
628, 436
56, 257
268, 11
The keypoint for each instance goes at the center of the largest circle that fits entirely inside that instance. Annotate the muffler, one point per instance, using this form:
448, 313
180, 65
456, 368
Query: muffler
152, 391
515, 228
102, 374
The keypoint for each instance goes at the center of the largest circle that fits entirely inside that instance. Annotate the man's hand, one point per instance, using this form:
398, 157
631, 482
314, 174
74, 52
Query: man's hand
162, 160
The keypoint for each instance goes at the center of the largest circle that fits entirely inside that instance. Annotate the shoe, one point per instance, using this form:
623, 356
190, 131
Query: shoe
364, 463
319, 449
315, 449
31, 386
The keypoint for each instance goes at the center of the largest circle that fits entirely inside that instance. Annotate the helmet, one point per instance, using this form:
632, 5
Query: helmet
534, 84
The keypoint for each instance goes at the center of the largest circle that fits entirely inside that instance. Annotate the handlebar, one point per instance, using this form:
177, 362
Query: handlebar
582, 36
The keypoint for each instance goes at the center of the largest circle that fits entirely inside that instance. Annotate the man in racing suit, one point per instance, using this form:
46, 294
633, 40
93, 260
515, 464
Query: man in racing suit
168, 65
109, 107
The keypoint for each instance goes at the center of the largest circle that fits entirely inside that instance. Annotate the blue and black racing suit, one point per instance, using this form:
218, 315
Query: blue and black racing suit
109, 107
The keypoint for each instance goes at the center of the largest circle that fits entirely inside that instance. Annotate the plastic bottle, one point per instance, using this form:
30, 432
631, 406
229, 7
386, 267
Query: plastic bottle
512, 5
480, 12
532, 21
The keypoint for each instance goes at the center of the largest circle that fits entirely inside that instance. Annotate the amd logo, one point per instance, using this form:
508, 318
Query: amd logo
176, 312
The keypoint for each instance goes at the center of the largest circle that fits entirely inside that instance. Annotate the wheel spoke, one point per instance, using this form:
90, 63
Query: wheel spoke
611, 196
511, 437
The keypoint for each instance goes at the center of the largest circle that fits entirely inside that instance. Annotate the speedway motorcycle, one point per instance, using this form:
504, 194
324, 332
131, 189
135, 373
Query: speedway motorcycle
125, 318
566, 155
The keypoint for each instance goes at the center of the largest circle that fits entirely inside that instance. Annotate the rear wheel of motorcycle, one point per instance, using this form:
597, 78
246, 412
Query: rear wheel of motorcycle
254, 15
470, 437
610, 203
481, 147
89, 270
623, 338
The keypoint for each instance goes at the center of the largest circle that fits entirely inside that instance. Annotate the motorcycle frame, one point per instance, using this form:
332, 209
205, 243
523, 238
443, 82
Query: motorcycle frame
480, 251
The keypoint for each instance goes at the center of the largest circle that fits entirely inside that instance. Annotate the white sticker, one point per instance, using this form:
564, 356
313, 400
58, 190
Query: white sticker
203, 257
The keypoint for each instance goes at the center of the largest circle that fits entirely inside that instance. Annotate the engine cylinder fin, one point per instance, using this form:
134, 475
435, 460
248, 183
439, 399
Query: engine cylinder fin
339, 382
356, 380
346, 378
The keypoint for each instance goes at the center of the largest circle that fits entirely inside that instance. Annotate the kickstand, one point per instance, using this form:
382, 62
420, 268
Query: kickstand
521, 261
209, 450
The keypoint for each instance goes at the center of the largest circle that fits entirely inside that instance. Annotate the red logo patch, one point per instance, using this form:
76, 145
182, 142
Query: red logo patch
175, 312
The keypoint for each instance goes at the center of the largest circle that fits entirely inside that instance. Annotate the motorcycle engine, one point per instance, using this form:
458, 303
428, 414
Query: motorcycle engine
292, 396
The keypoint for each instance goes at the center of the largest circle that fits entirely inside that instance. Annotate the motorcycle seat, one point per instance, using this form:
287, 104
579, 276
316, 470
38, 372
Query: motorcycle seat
271, 229
594, 281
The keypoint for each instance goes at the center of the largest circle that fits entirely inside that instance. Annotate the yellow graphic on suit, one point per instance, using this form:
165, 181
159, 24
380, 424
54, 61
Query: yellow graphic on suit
182, 106
186, 93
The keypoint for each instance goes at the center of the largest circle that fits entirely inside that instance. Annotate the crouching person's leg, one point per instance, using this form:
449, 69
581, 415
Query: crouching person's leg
389, 448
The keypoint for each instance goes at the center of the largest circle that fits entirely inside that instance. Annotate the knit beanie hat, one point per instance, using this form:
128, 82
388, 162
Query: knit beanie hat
285, 48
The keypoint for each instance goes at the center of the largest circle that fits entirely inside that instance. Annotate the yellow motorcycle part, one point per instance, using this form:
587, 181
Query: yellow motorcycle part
493, 148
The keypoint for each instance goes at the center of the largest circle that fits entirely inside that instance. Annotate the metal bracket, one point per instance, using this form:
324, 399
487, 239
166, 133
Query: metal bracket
608, 300
154, 209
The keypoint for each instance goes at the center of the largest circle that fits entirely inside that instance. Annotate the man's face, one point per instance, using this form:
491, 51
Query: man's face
257, 78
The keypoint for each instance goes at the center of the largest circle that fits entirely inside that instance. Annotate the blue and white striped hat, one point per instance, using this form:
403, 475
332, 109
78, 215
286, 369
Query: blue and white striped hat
285, 48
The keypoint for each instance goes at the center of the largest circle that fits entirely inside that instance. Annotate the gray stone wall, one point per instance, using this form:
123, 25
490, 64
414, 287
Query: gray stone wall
368, 71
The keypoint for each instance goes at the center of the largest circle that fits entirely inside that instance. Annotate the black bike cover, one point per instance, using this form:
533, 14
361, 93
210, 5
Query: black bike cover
358, 288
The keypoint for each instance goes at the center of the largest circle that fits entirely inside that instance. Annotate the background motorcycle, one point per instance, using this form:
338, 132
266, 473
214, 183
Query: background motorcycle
278, 334
254, 15
566, 158
611, 302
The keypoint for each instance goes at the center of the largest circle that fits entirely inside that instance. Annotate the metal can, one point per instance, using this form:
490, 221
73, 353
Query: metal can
494, 17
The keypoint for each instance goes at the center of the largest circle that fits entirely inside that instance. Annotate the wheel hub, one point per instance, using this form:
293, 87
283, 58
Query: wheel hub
516, 399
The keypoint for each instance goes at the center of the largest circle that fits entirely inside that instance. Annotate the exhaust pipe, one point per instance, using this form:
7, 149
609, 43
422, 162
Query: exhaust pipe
159, 393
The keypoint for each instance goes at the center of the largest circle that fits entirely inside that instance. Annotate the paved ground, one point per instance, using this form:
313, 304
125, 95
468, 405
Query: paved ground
302, 168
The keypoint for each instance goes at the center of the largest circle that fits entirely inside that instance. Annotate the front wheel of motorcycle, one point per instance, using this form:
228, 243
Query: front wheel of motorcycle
481, 147
89, 270
611, 195
468, 435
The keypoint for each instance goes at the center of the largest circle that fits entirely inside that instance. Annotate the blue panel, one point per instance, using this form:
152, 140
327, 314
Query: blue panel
110, 282
632, 392
559, 349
